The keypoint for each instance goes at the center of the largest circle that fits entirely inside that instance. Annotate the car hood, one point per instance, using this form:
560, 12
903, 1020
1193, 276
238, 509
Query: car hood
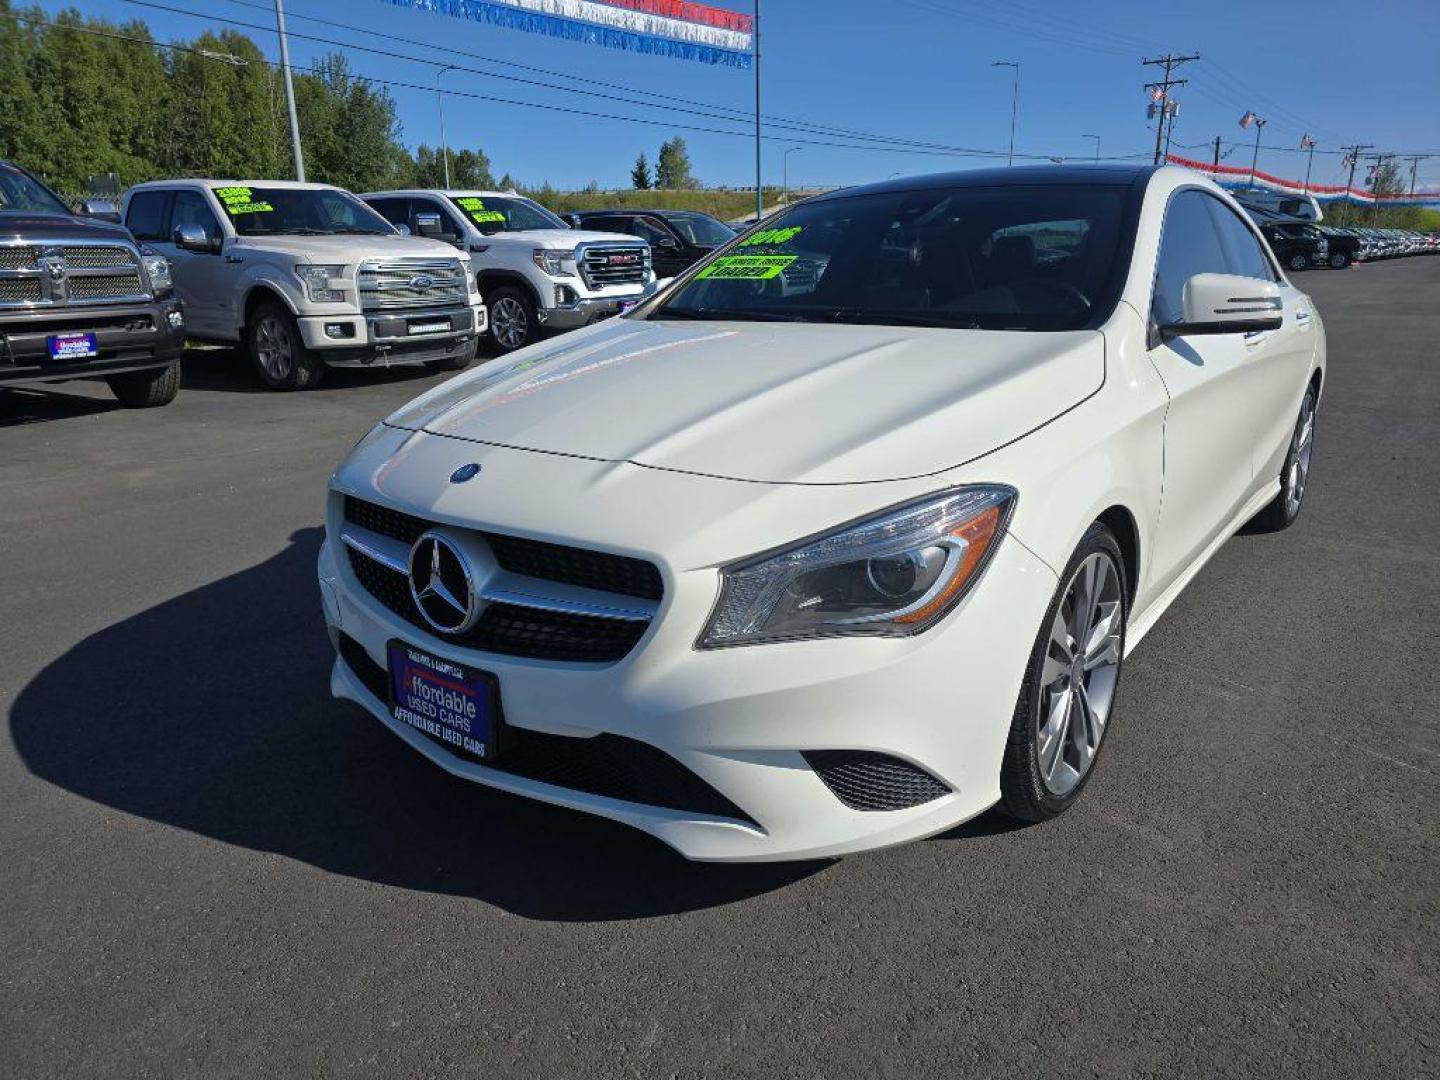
770, 402
18, 225
564, 238
349, 248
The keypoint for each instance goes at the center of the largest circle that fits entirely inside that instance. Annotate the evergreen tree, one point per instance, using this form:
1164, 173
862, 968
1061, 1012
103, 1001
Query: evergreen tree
640, 174
673, 168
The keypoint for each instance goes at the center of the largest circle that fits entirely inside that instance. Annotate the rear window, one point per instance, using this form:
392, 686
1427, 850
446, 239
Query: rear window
145, 217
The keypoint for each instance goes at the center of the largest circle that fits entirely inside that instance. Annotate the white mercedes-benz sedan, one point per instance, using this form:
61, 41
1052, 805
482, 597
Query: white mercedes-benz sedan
842, 537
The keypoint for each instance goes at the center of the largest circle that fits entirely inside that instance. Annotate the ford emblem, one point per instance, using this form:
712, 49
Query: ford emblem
465, 472
421, 281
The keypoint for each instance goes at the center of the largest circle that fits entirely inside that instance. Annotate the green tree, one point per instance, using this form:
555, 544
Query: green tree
673, 168
224, 122
640, 174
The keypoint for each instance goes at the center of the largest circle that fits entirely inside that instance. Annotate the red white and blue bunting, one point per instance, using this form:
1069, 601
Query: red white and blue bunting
679, 29
1235, 176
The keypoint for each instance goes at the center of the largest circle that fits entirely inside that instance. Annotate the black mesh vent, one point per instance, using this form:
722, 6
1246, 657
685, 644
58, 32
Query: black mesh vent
864, 780
533, 558
507, 628
608, 765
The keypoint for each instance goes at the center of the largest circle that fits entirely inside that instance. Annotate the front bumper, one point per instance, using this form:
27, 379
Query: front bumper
740, 718
585, 311
129, 337
392, 337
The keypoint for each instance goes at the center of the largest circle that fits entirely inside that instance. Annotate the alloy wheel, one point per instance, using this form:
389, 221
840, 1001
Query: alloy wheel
273, 348
1297, 466
1079, 675
510, 322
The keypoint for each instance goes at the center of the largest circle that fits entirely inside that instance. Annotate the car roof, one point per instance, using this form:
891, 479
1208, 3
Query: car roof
458, 193
644, 210
1079, 175
221, 182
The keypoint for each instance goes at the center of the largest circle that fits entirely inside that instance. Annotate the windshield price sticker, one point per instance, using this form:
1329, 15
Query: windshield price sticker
773, 236
747, 267
237, 200
482, 216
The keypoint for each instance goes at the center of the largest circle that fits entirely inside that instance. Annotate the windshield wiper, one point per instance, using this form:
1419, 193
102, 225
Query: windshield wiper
893, 318
726, 315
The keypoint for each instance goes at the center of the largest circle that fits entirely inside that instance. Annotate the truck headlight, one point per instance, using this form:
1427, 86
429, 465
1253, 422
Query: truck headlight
895, 574
157, 272
320, 286
553, 262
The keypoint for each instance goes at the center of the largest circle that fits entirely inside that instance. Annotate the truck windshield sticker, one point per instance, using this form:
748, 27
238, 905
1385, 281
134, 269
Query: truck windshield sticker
476, 209
772, 236
471, 203
236, 200
747, 267
483, 216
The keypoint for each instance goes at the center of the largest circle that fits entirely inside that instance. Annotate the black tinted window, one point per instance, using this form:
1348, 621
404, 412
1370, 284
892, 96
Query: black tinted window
1189, 245
395, 211
1243, 255
191, 209
145, 217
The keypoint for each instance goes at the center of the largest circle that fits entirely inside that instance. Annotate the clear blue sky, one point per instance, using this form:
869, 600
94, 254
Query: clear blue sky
915, 69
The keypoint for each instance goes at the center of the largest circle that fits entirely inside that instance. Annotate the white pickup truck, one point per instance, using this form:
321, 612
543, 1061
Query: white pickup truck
305, 275
534, 270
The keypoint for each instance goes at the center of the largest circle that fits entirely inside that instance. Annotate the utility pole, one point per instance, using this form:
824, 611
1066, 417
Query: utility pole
440, 104
1255, 160
1309, 165
1170, 62
1354, 158
289, 91
1217, 155
1415, 160
1014, 103
1173, 108
1380, 160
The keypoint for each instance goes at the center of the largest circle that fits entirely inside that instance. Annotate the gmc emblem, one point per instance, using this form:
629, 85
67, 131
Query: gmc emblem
622, 260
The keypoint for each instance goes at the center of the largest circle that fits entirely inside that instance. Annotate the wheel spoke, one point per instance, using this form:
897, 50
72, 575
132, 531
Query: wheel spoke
1053, 736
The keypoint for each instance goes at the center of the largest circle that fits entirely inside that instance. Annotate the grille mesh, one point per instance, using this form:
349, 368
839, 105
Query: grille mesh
109, 285
507, 628
864, 780
598, 271
90, 257
387, 285
607, 765
17, 258
19, 290
533, 558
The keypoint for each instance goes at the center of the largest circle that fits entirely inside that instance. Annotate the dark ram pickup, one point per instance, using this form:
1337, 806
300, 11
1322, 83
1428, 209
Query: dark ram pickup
80, 299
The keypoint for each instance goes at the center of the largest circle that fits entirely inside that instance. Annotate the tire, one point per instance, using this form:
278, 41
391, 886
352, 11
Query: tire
1339, 260
458, 361
1294, 474
146, 389
513, 323
277, 351
1299, 262
1043, 776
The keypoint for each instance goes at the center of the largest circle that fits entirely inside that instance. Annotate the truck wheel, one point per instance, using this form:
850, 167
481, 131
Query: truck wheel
279, 354
146, 389
1339, 260
456, 361
1299, 262
513, 324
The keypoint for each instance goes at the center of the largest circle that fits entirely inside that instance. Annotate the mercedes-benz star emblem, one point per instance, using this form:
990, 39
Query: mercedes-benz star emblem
442, 585
464, 473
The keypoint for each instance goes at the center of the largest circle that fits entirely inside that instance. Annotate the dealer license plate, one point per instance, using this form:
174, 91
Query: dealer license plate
440, 327
447, 702
73, 347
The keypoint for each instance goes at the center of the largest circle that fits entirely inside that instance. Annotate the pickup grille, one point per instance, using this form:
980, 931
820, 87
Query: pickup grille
614, 264
88, 273
412, 283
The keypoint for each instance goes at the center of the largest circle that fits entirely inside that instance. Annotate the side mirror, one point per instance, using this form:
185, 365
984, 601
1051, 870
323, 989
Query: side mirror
403, 230
667, 242
1227, 304
428, 225
99, 208
194, 238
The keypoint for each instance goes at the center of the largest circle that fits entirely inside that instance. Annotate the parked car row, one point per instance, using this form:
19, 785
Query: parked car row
1374, 244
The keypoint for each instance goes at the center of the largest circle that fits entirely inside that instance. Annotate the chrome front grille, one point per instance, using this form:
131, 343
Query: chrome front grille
60, 274
411, 283
614, 264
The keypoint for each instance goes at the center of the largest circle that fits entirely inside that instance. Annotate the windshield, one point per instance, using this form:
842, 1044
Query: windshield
21, 193
701, 229
498, 213
1006, 258
263, 211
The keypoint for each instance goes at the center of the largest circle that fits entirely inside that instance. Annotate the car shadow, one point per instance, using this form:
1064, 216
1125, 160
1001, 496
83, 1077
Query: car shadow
32, 405
211, 712
228, 371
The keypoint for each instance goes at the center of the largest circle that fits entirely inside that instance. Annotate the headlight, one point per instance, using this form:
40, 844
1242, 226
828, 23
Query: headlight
472, 283
553, 262
895, 574
157, 271
319, 286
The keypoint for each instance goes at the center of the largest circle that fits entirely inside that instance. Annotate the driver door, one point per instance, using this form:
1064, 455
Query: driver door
201, 279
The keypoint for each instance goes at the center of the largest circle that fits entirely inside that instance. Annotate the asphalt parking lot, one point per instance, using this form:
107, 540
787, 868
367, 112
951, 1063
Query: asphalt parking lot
211, 869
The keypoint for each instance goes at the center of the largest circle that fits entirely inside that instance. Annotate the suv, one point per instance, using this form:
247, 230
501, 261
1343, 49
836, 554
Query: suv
1297, 244
678, 238
78, 298
1344, 246
304, 275
534, 270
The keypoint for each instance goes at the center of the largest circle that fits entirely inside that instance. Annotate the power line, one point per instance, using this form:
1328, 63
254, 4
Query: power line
1169, 61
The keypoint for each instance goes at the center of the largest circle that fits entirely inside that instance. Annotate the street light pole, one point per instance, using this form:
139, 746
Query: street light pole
1097, 144
440, 104
289, 91
1014, 102
785, 172
1255, 160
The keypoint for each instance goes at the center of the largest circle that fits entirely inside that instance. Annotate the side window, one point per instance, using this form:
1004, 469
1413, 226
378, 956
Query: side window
395, 211
1243, 254
145, 217
190, 208
1189, 245
651, 230
448, 229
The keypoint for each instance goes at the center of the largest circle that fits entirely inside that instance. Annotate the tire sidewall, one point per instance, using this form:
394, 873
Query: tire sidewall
300, 374
1287, 517
1024, 792
509, 292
